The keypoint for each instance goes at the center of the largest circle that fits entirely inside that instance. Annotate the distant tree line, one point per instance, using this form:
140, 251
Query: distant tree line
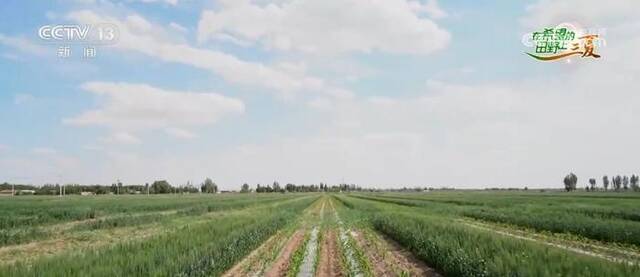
322, 187
616, 183
157, 187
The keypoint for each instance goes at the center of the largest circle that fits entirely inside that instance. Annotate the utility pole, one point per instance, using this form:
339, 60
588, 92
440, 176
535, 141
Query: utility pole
13, 189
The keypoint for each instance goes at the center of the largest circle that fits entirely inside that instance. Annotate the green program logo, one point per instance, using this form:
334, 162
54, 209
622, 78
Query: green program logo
562, 42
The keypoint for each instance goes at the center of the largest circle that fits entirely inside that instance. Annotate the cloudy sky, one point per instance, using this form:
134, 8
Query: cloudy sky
375, 92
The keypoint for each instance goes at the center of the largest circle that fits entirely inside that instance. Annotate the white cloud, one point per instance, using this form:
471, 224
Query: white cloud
178, 27
139, 107
135, 36
180, 133
546, 13
45, 165
120, 138
23, 45
330, 26
431, 8
44, 151
170, 2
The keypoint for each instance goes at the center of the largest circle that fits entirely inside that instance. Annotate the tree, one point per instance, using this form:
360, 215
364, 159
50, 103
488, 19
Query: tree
592, 182
625, 182
276, 186
570, 182
245, 188
605, 182
617, 182
634, 182
161, 186
289, 187
208, 186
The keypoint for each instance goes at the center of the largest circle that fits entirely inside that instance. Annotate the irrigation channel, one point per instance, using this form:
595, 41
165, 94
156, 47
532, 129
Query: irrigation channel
320, 243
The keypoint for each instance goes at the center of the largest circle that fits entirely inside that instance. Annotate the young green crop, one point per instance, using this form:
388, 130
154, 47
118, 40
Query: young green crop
590, 217
457, 250
26, 219
203, 248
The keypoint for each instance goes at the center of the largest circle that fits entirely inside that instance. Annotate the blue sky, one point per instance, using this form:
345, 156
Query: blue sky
379, 93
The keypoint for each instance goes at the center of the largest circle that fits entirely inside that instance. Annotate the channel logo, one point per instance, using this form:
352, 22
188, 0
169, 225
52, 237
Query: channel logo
103, 33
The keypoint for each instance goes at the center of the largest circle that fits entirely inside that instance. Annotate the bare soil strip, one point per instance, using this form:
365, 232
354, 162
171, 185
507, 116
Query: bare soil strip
388, 258
281, 265
329, 261
580, 248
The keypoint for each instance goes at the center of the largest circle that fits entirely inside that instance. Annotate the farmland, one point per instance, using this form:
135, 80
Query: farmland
441, 233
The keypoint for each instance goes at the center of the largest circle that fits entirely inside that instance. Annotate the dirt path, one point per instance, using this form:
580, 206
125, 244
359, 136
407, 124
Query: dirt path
281, 264
329, 261
576, 249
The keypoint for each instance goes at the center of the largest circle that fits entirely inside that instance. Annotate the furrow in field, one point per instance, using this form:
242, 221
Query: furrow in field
274, 256
388, 258
256, 262
282, 263
579, 248
329, 262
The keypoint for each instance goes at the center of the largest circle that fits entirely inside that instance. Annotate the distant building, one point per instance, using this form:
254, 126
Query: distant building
87, 193
6, 192
26, 192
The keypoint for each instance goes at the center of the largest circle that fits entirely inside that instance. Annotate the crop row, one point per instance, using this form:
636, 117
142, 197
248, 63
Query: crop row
457, 250
202, 249
36, 211
592, 222
607, 230
19, 229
